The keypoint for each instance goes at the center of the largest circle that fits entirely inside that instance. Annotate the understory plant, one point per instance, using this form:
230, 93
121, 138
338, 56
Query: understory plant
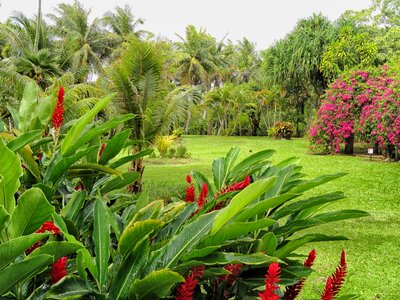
65, 197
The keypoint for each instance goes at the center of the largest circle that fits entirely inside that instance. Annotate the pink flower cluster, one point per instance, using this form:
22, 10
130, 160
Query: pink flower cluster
360, 102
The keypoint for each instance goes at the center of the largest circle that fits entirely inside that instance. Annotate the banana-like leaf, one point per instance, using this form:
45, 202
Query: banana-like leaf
135, 233
150, 211
32, 211
10, 171
97, 168
229, 162
267, 244
76, 130
130, 158
200, 252
155, 285
10, 250
20, 272
71, 287
200, 179
101, 237
114, 146
24, 139
293, 245
305, 204
241, 200
97, 131
263, 206
183, 242
235, 230
56, 170
75, 204
297, 225
224, 258
128, 271
218, 172
4, 216
120, 182
57, 249
241, 169
27, 105
316, 182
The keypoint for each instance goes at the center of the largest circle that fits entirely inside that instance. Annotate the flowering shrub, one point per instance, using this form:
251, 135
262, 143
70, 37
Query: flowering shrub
362, 102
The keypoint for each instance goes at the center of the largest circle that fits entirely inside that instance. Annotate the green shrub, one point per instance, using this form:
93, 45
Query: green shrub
283, 130
178, 132
163, 143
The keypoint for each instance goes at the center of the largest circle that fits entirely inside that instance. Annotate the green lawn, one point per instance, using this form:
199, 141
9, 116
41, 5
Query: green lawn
373, 269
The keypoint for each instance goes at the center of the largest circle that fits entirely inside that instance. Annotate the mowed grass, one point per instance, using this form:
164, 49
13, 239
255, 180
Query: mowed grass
373, 247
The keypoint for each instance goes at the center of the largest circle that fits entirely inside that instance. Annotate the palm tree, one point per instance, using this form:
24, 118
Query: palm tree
137, 80
83, 44
122, 22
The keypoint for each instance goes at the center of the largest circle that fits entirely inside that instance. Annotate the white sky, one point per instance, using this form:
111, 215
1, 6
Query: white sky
261, 21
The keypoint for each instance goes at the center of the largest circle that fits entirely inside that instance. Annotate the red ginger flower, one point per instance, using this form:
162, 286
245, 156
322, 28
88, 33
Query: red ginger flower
202, 199
101, 149
189, 197
59, 270
335, 281
185, 291
271, 278
236, 186
235, 270
293, 291
46, 226
58, 114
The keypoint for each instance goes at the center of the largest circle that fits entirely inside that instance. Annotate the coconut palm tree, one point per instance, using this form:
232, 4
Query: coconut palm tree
83, 43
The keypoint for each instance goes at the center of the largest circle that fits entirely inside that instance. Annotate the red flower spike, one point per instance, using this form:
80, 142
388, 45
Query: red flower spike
58, 114
49, 226
293, 291
59, 270
185, 291
271, 278
189, 197
335, 281
188, 179
101, 150
328, 293
202, 199
234, 269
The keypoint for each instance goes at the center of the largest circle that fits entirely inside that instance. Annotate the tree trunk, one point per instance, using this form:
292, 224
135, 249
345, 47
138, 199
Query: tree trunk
349, 148
187, 124
136, 166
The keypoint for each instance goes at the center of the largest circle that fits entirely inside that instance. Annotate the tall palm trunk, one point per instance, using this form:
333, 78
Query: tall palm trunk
39, 22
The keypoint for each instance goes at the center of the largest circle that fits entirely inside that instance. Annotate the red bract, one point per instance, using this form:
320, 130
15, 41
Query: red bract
271, 278
189, 197
49, 226
58, 114
101, 150
185, 291
188, 179
235, 270
237, 186
293, 291
202, 199
335, 281
58, 270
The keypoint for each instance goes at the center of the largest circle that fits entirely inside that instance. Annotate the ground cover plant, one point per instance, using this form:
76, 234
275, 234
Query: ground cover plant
369, 185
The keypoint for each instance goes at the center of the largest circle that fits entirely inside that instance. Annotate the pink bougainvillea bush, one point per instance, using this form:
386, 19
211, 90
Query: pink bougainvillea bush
365, 103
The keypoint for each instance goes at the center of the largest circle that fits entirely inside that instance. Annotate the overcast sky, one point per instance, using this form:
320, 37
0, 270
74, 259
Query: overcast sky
261, 21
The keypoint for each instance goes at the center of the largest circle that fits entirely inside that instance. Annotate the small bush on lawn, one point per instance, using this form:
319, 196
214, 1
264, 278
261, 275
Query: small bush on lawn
283, 130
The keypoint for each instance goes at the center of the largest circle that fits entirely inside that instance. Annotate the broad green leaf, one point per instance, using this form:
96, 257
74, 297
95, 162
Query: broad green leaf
150, 211
235, 230
119, 183
23, 140
85, 261
27, 158
128, 271
75, 204
218, 172
316, 182
71, 287
282, 177
42, 113
20, 272
223, 258
27, 105
241, 168
97, 131
200, 179
54, 172
76, 130
135, 233
57, 249
297, 225
229, 161
267, 244
130, 158
101, 237
10, 250
293, 245
10, 171
305, 204
32, 211
155, 285
183, 242
241, 200
200, 252
96, 167
114, 146
4, 216
263, 206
